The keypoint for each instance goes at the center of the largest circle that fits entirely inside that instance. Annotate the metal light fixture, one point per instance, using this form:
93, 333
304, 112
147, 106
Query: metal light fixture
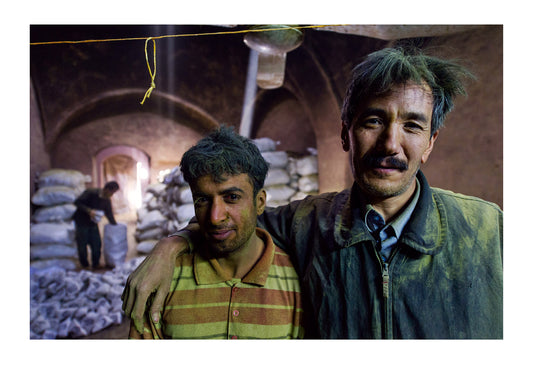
272, 47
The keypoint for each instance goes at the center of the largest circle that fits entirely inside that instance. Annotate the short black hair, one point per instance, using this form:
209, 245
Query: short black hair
111, 186
223, 152
398, 65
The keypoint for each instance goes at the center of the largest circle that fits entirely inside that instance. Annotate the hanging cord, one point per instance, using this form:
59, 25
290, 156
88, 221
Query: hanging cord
183, 35
152, 76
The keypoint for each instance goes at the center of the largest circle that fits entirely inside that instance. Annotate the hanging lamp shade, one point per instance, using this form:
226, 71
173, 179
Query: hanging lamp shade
272, 47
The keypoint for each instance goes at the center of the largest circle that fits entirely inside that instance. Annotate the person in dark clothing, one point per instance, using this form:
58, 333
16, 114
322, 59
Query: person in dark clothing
91, 205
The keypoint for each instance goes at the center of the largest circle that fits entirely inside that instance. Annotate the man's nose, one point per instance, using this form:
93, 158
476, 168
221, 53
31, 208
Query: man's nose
390, 139
218, 212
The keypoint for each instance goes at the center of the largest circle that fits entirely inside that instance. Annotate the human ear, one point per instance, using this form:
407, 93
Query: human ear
427, 152
260, 201
345, 137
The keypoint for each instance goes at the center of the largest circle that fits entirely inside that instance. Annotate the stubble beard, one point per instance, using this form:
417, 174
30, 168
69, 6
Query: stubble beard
225, 248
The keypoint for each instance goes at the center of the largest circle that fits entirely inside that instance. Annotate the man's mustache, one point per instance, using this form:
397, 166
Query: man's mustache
375, 161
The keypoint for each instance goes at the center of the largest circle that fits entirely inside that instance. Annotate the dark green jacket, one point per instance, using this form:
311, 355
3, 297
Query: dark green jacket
444, 279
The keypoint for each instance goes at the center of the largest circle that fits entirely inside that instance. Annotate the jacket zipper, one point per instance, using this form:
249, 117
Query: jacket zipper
385, 281
386, 286
385, 277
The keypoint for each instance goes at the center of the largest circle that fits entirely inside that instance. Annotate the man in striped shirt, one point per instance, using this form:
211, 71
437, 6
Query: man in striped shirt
236, 284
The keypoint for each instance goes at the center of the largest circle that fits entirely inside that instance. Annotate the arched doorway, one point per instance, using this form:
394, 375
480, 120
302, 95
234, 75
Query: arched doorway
130, 167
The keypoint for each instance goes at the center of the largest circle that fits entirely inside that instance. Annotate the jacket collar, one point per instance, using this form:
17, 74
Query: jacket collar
425, 231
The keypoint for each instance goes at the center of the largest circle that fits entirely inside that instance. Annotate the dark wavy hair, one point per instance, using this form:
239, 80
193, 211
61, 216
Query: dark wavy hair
224, 152
397, 65
111, 186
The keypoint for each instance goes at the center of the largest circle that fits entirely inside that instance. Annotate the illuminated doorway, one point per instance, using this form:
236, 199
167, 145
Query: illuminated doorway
130, 167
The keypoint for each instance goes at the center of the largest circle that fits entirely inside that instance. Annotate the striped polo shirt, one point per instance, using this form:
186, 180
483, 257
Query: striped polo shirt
203, 303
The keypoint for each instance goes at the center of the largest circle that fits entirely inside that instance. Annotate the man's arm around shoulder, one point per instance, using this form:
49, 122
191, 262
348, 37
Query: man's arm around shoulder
154, 274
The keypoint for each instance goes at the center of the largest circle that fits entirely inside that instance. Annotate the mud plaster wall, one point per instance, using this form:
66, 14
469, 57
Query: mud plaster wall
468, 155
162, 139
40, 159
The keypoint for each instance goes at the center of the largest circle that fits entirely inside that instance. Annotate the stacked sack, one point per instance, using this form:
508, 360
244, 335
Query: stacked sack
278, 182
167, 207
69, 304
290, 177
115, 244
52, 231
304, 174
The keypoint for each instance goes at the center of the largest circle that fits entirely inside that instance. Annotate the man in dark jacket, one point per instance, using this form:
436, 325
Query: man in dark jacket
391, 257
91, 205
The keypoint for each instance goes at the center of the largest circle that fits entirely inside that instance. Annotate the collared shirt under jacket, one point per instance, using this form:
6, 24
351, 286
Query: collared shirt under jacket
444, 278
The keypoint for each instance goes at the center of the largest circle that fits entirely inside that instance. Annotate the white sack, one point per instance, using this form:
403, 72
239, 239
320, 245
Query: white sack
115, 244
153, 233
115, 234
174, 177
308, 183
147, 197
145, 247
151, 220
294, 182
157, 188
60, 212
61, 233
185, 212
277, 177
265, 144
307, 165
46, 251
65, 263
62, 177
185, 195
173, 194
279, 193
153, 204
141, 212
53, 195
275, 159
291, 167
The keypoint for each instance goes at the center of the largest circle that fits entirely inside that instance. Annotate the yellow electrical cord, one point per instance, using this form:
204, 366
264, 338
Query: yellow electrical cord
152, 76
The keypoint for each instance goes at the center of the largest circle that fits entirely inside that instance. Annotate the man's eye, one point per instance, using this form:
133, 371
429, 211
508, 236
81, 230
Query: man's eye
200, 201
232, 198
372, 122
414, 126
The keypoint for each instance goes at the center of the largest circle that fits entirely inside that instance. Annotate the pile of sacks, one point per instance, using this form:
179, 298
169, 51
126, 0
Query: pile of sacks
52, 231
290, 177
168, 206
69, 304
